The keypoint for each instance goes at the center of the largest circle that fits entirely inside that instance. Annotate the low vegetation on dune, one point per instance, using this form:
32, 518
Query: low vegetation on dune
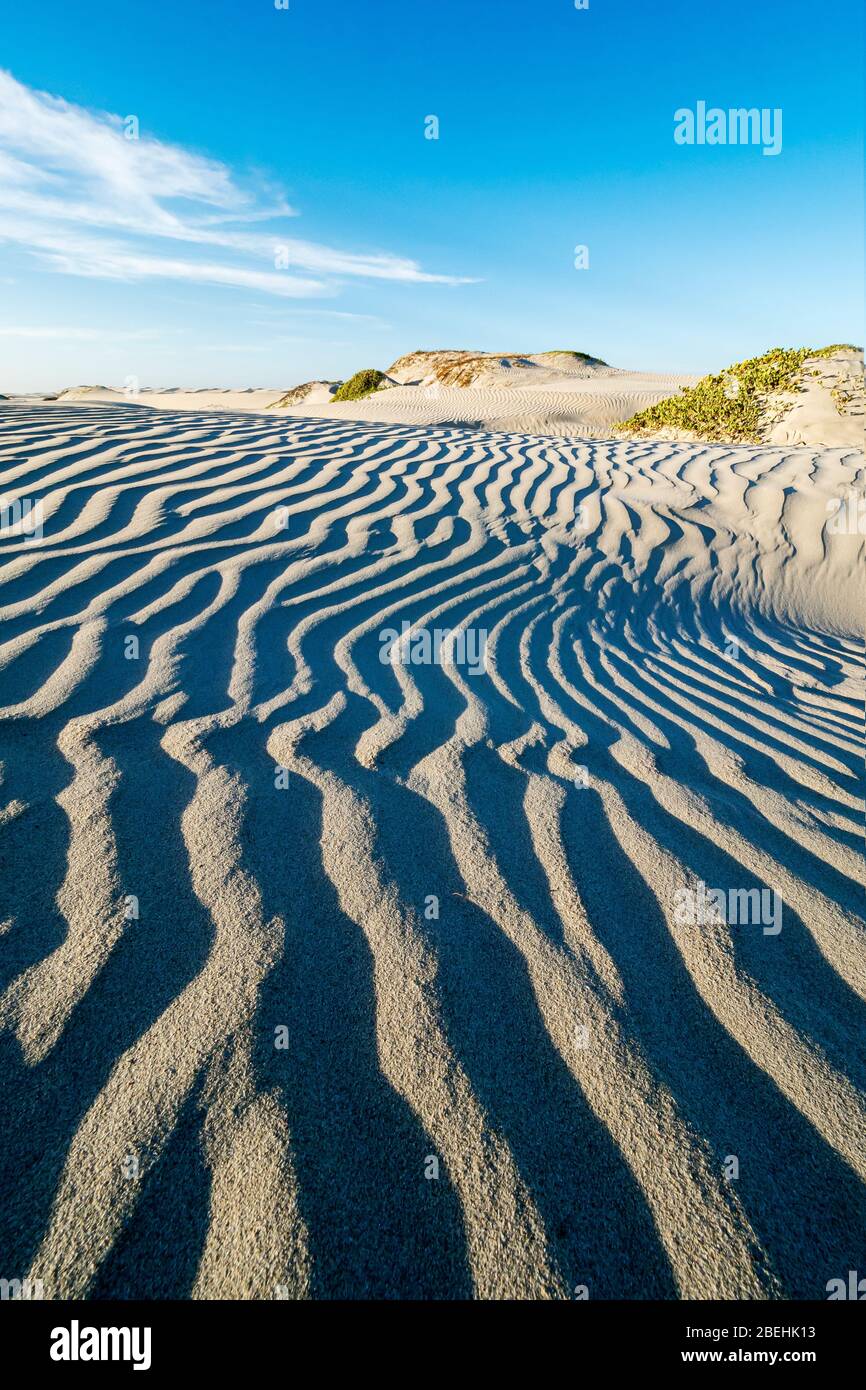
363, 383
299, 394
461, 367
584, 357
729, 405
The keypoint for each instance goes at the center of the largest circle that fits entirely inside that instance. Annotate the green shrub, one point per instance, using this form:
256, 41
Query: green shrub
727, 406
569, 352
361, 384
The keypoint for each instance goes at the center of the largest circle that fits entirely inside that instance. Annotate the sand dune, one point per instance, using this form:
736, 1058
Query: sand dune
511, 1068
566, 400
587, 406
256, 399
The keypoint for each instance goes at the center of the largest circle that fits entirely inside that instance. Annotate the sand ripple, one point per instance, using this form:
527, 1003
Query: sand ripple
226, 824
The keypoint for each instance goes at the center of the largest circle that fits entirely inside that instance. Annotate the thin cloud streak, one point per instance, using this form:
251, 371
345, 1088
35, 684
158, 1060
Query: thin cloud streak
76, 333
86, 200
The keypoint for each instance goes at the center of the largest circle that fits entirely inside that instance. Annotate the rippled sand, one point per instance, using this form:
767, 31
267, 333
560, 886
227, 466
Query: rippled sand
452, 895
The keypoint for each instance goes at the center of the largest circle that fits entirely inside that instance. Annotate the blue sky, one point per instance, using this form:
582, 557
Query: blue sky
303, 129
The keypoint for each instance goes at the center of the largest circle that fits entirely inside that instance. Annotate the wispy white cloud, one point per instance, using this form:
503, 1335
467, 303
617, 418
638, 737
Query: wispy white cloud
85, 200
76, 333
284, 313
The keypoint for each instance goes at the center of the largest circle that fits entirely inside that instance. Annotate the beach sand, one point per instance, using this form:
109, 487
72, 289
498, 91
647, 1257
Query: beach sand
324, 976
539, 399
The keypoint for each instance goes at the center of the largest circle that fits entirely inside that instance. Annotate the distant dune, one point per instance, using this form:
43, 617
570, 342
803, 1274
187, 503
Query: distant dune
173, 398
310, 393
331, 968
568, 394
555, 393
480, 369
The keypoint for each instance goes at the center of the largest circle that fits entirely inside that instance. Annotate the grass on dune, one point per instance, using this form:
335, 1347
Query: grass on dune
570, 352
363, 383
727, 405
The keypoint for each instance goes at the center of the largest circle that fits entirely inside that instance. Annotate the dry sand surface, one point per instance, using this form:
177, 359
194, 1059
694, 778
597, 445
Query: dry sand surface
452, 894
585, 406
542, 397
